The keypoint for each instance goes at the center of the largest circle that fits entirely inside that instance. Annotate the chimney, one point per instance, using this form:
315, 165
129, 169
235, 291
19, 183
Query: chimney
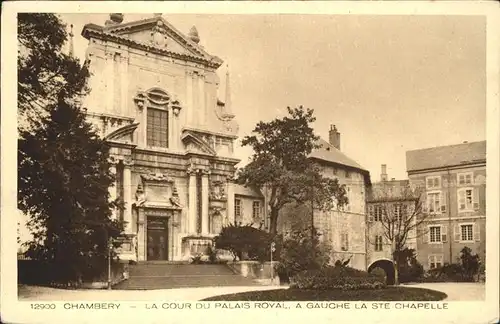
383, 174
334, 137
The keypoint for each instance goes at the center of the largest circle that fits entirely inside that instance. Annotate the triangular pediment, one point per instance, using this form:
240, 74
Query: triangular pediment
159, 33
195, 143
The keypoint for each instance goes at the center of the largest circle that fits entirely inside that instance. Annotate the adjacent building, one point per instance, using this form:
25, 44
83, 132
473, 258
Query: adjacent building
155, 100
454, 182
343, 229
391, 211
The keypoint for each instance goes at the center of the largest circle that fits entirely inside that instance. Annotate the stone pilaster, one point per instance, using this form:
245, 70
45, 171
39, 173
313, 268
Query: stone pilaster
202, 113
109, 75
230, 202
127, 191
113, 190
189, 98
204, 202
125, 109
141, 235
192, 202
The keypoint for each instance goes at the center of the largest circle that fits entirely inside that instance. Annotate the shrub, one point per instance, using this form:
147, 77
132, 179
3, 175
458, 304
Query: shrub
300, 251
465, 271
345, 278
244, 240
379, 272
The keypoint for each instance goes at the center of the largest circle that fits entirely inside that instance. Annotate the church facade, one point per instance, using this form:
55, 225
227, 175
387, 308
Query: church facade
154, 98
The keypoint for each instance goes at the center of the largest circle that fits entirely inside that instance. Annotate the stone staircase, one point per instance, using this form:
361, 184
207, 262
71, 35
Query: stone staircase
167, 275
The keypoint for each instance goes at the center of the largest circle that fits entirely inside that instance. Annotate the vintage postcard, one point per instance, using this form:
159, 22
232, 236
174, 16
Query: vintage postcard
202, 161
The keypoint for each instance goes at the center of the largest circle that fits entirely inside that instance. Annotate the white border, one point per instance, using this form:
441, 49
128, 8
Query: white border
458, 312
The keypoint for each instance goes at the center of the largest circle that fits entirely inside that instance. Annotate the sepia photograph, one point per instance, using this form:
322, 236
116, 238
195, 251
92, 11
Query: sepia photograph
194, 160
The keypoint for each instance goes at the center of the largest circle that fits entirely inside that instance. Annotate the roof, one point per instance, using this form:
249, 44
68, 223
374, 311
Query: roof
329, 153
446, 156
247, 191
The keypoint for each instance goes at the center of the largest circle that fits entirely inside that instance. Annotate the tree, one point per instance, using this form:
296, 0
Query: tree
300, 251
44, 70
470, 263
63, 172
396, 214
280, 164
409, 269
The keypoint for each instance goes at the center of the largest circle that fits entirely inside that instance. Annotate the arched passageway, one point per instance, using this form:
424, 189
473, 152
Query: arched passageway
387, 266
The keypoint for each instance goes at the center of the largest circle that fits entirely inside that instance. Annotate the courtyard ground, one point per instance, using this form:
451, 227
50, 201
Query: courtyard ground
457, 291
27, 293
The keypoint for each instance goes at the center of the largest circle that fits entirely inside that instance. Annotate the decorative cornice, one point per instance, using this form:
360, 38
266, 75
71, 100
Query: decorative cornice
174, 33
98, 32
208, 132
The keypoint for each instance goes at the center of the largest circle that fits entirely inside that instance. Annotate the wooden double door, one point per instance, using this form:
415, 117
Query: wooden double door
157, 238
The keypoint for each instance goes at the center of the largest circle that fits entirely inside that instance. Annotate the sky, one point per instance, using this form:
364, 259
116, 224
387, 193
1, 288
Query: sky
389, 83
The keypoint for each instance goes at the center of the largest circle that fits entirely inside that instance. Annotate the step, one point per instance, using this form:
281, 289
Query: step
182, 270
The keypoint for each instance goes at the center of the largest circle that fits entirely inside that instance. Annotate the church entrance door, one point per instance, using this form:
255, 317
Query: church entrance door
157, 245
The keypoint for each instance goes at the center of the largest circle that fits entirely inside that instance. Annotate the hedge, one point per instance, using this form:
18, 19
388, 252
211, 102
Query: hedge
345, 278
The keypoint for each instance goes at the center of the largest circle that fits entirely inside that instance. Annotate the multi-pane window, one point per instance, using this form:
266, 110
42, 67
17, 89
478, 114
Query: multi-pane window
435, 261
398, 212
379, 211
237, 209
256, 210
465, 199
378, 243
157, 127
433, 182
467, 232
344, 238
435, 234
433, 202
465, 178
335, 171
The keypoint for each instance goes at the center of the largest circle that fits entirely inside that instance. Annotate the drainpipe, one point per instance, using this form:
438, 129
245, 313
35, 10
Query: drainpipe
450, 225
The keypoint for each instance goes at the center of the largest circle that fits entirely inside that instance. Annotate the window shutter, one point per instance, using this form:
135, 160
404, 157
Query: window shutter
426, 234
476, 199
444, 233
456, 233
370, 213
443, 202
477, 232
